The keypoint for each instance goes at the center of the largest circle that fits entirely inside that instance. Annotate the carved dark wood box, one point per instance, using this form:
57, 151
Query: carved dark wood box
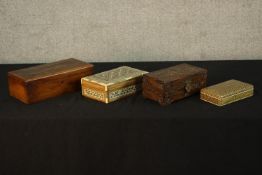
44, 81
174, 83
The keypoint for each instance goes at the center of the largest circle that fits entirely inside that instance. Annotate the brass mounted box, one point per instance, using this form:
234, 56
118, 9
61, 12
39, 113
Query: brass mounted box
227, 92
112, 85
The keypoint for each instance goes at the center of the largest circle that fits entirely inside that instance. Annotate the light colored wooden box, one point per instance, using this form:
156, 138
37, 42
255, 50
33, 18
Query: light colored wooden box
112, 85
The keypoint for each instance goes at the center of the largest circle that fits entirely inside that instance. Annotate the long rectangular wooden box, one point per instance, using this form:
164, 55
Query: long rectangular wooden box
174, 83
41, 82
112, 85
227, 92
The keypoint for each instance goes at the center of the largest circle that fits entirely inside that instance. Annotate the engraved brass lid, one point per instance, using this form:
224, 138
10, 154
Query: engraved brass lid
114, 76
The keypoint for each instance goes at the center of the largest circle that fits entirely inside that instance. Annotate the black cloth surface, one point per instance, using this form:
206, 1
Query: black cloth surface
71, 135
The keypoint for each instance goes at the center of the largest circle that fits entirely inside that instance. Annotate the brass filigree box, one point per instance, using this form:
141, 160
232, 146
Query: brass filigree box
112, 85
227, 92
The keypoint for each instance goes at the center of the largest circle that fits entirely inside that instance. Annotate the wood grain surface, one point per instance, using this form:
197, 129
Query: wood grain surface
41, 82
174, 83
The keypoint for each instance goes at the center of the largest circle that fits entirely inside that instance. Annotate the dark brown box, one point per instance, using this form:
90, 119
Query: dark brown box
174, 83
44, 81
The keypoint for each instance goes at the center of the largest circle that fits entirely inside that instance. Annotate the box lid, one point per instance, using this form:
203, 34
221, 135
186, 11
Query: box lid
50, 69
173, 73
114, 76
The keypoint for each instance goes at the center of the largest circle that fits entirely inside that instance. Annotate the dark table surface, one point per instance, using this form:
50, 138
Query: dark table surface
74, 135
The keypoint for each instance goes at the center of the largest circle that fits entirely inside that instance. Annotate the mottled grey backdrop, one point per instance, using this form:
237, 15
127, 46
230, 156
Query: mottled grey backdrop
129, 30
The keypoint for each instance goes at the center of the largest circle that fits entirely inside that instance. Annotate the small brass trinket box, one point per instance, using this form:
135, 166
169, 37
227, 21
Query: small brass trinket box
112, 85
227, 92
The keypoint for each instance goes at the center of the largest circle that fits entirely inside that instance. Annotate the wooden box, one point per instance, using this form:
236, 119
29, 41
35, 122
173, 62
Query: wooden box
174, 83
112, 85
44, 81
227, 92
